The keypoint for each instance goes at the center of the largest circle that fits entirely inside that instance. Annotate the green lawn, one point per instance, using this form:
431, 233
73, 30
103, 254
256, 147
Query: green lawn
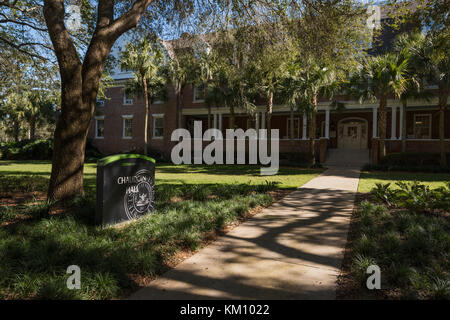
369, 179
33, 175
190, 201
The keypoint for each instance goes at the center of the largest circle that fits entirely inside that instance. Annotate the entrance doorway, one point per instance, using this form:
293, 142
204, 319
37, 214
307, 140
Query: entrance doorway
352, 133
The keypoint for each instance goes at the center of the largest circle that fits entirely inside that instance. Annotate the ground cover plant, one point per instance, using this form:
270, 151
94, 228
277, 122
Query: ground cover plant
368, 180
406, 232
38, 242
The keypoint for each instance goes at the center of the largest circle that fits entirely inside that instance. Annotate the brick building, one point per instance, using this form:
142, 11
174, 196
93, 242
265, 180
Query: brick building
118, 124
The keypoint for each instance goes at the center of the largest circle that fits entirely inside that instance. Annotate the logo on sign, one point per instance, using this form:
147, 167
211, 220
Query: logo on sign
138, 198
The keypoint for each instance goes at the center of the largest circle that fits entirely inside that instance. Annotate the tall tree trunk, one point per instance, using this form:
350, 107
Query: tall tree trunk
231, 122
16, 130
403, 120
291, 131
312, 131
33, 127
144, 86
269, 121
177, 108
209, 116
79, 87
443, 96
382, 126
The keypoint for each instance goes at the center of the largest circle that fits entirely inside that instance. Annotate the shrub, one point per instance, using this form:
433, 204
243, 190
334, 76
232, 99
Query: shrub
40, 150
411, 159
27, 150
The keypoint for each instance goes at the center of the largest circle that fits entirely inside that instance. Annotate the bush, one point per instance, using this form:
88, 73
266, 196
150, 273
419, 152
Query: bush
39, 150
409, 161
295, 158
417, 159
27, 150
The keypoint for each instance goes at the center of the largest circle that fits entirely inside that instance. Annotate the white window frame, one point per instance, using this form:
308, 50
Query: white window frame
154, 117
127, 101
428, 115
195, 100
124, 118
298, 135
96, 127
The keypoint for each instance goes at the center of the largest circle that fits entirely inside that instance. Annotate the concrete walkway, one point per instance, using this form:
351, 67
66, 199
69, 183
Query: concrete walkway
291, 250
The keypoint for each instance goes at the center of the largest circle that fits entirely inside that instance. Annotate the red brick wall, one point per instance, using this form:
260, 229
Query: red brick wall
114, 109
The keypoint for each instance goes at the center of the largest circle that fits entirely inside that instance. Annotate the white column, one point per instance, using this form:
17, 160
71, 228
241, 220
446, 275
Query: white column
257, 121
375, 122
215, 121
401, 123
327, 124
394, 123
305, 125
220, 121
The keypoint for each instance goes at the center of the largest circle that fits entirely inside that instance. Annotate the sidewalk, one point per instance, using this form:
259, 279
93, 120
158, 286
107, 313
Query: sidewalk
291, 250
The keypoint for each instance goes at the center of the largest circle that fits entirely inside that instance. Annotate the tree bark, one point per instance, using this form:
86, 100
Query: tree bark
382, 126
231, 122
443, 96
269, 121
33, 127
403, 120
79, 87
144, 86
291, 131
16, 130
312, 131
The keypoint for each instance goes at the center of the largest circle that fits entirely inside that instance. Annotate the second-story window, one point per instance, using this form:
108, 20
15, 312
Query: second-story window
127, 132
199, 93
127, 98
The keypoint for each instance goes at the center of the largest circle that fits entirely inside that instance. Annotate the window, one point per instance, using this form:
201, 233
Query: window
99, 127
296, 128
422, 126
127, 132
126, 98
199, 93
100, 102
158, 126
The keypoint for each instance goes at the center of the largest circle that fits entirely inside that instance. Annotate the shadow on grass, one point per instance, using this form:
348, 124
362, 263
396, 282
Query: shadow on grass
36, 253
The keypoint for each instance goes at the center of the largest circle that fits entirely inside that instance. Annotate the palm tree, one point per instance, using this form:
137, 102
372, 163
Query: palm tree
431, 56
145, 59
378, 78
309, 81
407, 45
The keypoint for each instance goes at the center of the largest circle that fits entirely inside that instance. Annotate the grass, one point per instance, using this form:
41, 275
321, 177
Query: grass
35, 253
34, 175
409, 242
368, 180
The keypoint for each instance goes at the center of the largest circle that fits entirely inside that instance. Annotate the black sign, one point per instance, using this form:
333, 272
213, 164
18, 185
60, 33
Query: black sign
125, 188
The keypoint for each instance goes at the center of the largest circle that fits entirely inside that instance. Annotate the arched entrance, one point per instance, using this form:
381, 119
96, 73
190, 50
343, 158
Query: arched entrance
352, 133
